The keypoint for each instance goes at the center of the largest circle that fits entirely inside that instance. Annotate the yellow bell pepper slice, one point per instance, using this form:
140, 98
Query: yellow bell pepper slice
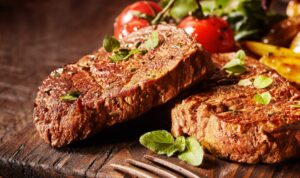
263, 49
288, 67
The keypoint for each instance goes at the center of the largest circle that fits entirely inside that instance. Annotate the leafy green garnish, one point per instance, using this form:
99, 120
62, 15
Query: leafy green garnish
125, 54
248, 18
262, 82
236, 65
194, 152
71, 96
245, 82
182, 8
152, 42
111, 44
162, 142
263, 98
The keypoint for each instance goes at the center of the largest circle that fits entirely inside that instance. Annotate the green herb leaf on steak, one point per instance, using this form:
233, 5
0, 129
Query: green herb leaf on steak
125, 54
236, 65
194, 152
262, 82
245, 82
264, 98
110, 44
152, 42
71, 96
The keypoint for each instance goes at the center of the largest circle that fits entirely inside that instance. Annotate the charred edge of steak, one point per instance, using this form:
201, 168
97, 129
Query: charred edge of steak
228, 122
112, 93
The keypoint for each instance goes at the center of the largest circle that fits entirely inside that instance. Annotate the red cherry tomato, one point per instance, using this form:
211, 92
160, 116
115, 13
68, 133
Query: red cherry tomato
213, 33
128, 21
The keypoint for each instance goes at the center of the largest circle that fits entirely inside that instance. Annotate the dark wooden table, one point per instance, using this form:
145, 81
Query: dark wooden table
39, 36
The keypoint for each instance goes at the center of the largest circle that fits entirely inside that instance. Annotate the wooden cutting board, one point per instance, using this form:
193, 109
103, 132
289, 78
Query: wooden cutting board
35, 38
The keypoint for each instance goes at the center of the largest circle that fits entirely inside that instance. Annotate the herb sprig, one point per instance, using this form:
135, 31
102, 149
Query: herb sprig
236, 65
264, 98
70, 96
111, 44
162, 142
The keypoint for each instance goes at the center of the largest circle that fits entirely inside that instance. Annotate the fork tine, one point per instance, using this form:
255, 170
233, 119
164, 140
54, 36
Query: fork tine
151, 168
133, 171
172, 166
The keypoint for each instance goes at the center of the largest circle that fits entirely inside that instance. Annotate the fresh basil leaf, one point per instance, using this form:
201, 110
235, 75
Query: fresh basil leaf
245, 82
262, 82
71, 96
158, 141
264, 98
182, 8
110, 43
152, 42
194, 152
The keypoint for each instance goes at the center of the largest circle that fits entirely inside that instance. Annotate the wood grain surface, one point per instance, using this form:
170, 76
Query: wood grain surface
35, 38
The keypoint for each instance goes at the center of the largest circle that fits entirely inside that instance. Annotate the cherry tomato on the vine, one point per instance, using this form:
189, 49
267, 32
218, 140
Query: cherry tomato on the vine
213, 33
134, 17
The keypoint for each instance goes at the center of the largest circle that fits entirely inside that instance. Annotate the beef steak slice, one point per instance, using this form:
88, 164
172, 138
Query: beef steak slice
230, 124
112, 93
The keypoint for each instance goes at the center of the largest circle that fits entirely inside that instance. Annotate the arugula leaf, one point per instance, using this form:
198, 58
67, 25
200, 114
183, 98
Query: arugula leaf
110, 43
262, 82
236, 65
245, 82
264, 98
194, 153
182, 8
71, 96
152, 42
158, 141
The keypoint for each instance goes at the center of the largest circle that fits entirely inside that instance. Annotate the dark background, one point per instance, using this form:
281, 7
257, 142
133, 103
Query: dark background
37, 36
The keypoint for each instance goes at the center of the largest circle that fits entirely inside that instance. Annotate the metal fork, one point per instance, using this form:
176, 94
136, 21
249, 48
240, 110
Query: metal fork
153, 171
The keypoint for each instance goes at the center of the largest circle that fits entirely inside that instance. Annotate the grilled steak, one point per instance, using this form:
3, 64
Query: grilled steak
230, 124
110, 93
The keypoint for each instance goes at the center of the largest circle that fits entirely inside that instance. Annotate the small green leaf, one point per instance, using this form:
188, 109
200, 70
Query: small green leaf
236, 65
245, 82
262, 82
179, 146
152, 42
125, 54
182, 8
158, 141
71, 96
264, 98
110, 43
119, 55
194, 152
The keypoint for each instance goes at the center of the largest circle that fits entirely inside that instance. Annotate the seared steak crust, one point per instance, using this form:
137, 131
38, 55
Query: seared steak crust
112, 93
230, 124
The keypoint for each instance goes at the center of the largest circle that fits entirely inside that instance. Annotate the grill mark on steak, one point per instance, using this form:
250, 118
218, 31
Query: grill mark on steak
112, 93
231, 125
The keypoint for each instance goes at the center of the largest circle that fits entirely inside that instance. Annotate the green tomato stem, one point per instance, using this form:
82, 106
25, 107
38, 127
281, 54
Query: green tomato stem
161, 13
